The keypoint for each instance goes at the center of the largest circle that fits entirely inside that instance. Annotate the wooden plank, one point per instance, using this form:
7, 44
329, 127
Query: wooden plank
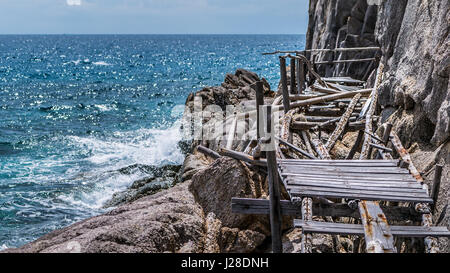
346, 170
431, 244
343, 80
329, 125
342, 123
377, 232
262, 207
274, 189
328, 98
349, 164
371, 110
354, 229
284, 85
347, 49
398, 187
363, 191
208, 152
364, 179
300, 76
296, 148
361, 196
436, 186
391, 163
380, 177
305, 136
243, 157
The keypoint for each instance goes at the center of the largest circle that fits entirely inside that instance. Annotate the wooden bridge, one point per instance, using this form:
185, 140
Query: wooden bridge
342, 197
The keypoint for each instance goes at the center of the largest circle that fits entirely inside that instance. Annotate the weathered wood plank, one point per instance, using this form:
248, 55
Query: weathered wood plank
361, 196
242, 157
371, 110
377, 231
436, 186
362, 191
342, 123
400, 187
208, 152
347, 170
284, 85
355, 179
328, 98
295, 148
353, 229
262, 207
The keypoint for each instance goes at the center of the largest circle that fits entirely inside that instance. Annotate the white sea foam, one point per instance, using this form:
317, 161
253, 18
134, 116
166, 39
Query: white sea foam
144, 146
3, 247
101, 63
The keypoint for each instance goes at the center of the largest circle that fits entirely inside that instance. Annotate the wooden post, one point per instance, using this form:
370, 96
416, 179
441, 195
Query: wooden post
293, 75
300, 76
259, 103
386, 136
306, 244
436, 186
284, 87
274, 188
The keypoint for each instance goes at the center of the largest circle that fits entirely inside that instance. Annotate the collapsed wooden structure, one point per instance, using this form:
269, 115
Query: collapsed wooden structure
347, 197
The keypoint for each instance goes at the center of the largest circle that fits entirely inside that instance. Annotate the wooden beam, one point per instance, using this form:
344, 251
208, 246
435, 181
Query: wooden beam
436, 186
371, 110
274, 189
377, 232
342, 123
208, 152
300, 76
284, 85
295, 148
322, 99
242, 157
262, 207
356, 145
293, 75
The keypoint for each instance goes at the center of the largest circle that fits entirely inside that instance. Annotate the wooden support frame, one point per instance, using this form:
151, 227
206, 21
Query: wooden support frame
293, 77
436, 186
284, 85
274, 187
300, 76
251, 206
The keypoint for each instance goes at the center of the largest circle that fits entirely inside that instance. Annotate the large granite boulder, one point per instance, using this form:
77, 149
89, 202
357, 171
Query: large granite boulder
169, 221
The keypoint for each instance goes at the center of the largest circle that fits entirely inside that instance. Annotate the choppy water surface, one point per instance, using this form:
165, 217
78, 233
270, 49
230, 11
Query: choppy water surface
75, 109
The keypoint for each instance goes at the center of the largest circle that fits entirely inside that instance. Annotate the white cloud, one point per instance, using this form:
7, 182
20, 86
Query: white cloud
73, 2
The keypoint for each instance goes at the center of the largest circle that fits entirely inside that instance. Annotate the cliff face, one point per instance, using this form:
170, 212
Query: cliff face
415, 49
415, 42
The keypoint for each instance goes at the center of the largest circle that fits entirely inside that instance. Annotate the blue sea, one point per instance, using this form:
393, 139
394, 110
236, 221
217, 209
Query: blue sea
75, 109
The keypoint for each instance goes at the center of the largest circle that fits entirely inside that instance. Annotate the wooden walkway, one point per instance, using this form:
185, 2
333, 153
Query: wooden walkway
353, 197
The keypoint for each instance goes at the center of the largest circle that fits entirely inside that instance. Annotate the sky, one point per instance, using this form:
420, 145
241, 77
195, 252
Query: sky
153, 16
